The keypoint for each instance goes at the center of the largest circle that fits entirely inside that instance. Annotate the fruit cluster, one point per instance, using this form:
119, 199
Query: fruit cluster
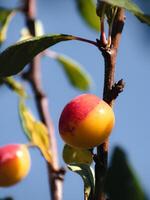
85, 122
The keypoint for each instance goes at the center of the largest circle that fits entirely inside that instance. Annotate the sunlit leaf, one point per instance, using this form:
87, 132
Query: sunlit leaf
74, 72
87, 10
78, 77
15, 86
15, 57
25, 33
39, 30
5, 17
127, 185
132, 7
87, 174
72, 155
35, 130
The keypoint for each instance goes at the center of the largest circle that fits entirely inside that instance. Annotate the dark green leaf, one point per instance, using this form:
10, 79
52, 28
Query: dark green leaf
74, 72
1, 82
132, 7
87, 174
73, 155
87, 10
15, 57
5, 16
122, 183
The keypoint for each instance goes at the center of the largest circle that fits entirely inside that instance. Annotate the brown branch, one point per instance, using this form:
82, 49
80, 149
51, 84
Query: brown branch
109, 55
33, 75
117, 88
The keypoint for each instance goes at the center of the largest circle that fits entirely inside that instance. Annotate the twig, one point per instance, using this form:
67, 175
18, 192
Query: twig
33, 75
117, 88
109, 55
103, 39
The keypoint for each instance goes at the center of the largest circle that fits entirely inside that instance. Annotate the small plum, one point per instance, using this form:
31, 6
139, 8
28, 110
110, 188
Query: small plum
86, 121
14, 164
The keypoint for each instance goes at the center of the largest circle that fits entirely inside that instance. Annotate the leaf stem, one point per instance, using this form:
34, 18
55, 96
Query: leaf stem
86, 40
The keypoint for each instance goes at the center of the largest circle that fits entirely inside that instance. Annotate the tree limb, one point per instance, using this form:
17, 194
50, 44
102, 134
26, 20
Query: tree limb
109, 54
33, 75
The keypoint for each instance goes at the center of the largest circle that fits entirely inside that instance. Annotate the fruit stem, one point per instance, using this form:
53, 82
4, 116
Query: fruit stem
33, 75
109, 55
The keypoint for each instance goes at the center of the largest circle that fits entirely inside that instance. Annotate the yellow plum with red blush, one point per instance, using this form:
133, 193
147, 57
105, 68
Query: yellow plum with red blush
86, 121
14, 164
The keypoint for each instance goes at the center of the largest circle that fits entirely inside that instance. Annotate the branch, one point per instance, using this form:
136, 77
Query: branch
110, 92
33, 75
117, 88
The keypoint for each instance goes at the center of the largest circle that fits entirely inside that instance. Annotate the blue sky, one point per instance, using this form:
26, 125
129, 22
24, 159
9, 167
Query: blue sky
132, 108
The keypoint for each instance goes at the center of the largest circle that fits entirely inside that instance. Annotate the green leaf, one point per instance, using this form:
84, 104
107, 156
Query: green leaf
87, 174
5, 17
74, 72
25, 34
72, 155
39, 31
132, 7
127, 186
35, 130
1, 82
87, 10
15, 57
15, 86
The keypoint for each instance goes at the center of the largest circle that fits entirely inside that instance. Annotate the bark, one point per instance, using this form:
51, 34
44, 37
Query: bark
33, 75
110, 92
